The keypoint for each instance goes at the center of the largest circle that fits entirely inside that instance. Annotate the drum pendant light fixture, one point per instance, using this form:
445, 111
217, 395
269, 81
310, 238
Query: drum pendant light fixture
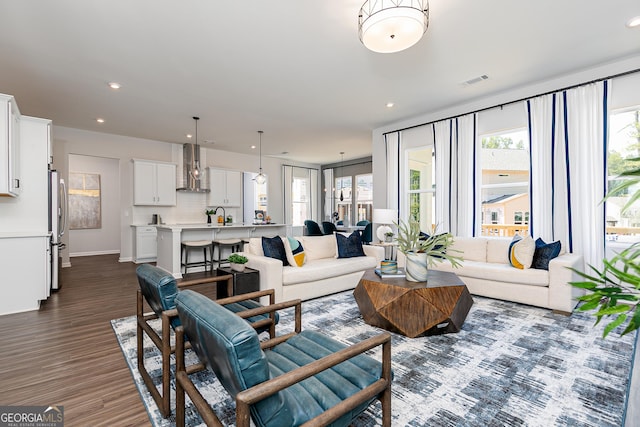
260, 178
388, 26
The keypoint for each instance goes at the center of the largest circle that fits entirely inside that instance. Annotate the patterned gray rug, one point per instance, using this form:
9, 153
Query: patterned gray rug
510, 365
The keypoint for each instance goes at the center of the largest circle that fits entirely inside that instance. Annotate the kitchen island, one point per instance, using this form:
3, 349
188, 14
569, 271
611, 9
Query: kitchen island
171, 235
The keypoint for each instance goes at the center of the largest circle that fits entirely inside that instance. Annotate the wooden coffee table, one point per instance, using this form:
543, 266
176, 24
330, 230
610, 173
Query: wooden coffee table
437, 306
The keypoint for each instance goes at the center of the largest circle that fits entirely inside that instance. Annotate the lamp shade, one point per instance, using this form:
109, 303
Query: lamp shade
384, 216
388, 26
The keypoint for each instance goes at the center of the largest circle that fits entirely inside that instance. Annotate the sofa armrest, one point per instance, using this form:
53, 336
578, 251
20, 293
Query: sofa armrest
374, 251
562, 296
270, 273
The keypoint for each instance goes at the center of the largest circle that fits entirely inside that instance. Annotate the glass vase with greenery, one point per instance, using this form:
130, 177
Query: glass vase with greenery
434, 245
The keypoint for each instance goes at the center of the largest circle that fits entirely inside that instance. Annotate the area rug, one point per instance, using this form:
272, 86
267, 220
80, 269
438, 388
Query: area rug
510, 365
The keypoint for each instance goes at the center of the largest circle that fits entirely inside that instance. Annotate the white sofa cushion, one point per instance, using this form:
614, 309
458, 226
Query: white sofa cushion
504, 273
255, 246
470, 248
498, 250
318, 269
319, 247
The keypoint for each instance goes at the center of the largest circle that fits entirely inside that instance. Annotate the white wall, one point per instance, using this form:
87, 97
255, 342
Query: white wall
620, 87
190, 207
104, 240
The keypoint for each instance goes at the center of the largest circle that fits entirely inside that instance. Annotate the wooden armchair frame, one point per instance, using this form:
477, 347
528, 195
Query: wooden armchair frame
163, 341
381, 389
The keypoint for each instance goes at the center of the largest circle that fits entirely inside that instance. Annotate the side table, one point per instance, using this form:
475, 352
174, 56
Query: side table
389, 249
243, 281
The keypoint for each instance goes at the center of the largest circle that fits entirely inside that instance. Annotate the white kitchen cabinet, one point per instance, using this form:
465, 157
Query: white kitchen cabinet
9, 147
25, 266
145, 244
226, 188
154, 183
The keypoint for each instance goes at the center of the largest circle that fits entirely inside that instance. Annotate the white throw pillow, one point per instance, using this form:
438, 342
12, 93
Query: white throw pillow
318, 247
521, 251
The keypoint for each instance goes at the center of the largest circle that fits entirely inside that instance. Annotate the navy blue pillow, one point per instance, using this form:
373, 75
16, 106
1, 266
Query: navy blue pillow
349, 247
544, 253
274, 248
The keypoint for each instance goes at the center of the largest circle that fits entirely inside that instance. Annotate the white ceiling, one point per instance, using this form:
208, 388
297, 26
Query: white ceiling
295, 69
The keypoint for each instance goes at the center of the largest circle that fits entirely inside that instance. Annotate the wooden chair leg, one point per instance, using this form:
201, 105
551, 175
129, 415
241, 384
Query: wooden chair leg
166, 365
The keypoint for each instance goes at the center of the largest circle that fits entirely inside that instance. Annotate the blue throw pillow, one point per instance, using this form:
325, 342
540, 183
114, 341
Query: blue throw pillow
349, 247
544, 253
274, 248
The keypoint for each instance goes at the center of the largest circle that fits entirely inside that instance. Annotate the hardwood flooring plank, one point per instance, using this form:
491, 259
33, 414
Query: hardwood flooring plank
66, 353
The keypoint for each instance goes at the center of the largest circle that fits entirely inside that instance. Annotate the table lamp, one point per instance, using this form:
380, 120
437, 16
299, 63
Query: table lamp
384, 217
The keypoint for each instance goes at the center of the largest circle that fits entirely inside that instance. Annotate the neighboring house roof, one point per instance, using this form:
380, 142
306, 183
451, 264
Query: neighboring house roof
503, 199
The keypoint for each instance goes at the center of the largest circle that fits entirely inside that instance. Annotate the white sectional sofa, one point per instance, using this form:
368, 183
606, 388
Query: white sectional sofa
487, 272
322, 274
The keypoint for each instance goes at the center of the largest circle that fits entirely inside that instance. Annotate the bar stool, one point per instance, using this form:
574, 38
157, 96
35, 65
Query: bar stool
233, 244
186, 246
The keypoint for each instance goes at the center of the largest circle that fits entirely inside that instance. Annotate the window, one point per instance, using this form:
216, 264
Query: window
364, 195
505, 183
342, 197
624, 145
300, 192
421, 179
300, 200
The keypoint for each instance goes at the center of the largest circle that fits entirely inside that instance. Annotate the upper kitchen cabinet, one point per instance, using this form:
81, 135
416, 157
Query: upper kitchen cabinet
154, 183
9, 147
226, 188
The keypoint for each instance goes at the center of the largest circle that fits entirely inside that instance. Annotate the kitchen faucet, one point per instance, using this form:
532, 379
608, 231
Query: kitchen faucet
224, 215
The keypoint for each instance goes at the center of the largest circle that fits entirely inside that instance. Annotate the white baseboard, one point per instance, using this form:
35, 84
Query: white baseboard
78, 254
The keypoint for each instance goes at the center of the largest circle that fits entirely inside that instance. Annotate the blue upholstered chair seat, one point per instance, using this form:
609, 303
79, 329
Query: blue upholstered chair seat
316, 394
231, 349
237, 307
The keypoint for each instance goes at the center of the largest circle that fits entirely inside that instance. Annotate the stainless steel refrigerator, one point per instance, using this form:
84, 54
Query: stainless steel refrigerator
57, 224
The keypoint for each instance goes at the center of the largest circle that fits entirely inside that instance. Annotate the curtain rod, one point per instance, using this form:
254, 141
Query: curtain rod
518, 100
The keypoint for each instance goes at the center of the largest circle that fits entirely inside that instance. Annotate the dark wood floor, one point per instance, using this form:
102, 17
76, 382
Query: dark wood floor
66, 353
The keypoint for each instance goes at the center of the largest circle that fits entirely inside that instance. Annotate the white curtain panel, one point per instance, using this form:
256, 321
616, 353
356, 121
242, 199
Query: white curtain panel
442, 134
465, 221
328, 194
392, 143
548, 182
287, 180
586, 137
542, 120
568, 168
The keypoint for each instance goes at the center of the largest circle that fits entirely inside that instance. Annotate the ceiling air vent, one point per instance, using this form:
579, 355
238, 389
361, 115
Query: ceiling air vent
475, 80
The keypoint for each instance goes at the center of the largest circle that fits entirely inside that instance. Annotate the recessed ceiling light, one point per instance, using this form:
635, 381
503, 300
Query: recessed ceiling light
390, 104
189, 135
253, 147
99, 120
114, 85
634, 22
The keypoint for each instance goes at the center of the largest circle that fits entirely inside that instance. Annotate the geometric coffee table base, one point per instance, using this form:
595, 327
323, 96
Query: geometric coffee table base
413, 309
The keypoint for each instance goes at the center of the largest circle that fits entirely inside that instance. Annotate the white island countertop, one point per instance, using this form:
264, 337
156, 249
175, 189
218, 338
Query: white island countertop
205, 226
170, 237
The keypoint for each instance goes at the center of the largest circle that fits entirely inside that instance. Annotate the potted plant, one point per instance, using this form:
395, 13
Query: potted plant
388, 236
615, 290
423, 250
209, 212
238, 262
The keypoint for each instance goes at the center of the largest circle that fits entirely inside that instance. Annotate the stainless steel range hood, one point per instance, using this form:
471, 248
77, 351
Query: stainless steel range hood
191, 152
